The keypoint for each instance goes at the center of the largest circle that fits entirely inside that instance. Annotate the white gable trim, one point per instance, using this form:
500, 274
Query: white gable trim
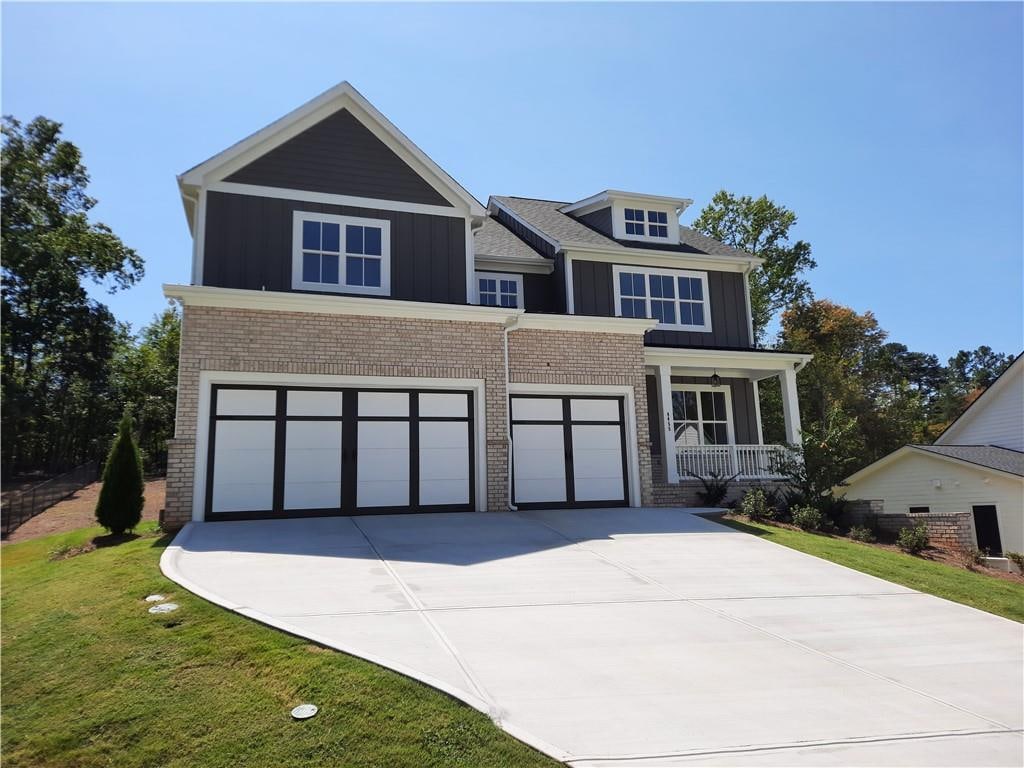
542, 235
341, 96
948, 436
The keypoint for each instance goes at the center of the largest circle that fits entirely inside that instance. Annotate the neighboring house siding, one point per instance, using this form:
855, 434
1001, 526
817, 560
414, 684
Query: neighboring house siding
601, 220
910, 481
594, 294
525, 234
743, 414
249, 245
995, 420
543, 293
339, 155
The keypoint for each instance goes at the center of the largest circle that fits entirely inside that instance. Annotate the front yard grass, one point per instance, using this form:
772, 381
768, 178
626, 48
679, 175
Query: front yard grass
91, 679
998, 596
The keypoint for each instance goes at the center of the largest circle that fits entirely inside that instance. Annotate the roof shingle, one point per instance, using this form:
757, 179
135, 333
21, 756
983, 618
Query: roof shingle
990, 456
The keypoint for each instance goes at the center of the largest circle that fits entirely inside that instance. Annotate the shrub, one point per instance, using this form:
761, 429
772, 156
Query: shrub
913, 540
716, 488
862, 533
119, 507
970, 558
1017, 558
755, 506
807, 518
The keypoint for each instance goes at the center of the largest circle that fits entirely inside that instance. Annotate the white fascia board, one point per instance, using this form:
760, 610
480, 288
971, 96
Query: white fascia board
603, 199
588, 323
743, 362
542, 235
281, 301
341, 96
513, 264
654, 258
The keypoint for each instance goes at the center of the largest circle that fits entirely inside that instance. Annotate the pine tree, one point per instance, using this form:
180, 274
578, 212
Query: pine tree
119, 508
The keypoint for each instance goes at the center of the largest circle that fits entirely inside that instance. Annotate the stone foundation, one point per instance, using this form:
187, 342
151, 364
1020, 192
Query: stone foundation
684, 494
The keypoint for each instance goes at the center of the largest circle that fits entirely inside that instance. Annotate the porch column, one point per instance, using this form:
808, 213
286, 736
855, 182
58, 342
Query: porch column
668, 443
790, 406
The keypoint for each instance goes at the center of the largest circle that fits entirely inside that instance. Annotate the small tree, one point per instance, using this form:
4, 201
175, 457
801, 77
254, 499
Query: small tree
119, 508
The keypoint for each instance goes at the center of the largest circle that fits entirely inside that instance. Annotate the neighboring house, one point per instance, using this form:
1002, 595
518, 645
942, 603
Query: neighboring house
975, 469
361, 335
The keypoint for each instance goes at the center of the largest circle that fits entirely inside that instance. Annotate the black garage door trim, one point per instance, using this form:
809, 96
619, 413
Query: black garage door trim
349, 419
568, 423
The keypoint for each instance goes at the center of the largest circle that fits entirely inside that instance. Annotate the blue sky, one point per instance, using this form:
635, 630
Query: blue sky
894, 131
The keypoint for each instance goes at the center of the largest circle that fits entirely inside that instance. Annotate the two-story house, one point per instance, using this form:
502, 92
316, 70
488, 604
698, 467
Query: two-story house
362, 336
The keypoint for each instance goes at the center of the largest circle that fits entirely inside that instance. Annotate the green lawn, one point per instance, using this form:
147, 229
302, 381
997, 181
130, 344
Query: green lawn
998, 596
91, 679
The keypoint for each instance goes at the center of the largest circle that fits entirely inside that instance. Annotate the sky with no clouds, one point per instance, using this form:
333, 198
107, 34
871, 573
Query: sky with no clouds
893, 130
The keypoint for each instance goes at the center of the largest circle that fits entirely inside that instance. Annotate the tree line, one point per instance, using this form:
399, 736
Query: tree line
70, 369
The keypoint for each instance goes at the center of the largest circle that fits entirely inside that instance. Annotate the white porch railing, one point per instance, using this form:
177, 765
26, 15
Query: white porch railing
747, 462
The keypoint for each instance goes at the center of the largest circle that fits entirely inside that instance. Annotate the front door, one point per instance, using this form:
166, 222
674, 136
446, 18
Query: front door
986, 529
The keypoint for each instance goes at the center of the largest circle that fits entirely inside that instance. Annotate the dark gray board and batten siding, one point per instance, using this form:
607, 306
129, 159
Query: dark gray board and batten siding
601, 220
594, 294
339, 155
744, 414
248, 245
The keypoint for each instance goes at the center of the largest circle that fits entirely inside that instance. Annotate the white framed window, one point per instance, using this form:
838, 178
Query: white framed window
344, 254
499, 289
645, 223
677, 298
702, 414
657, 224
635, 221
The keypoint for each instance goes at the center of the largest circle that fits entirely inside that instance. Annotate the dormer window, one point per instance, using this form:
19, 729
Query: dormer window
643, 223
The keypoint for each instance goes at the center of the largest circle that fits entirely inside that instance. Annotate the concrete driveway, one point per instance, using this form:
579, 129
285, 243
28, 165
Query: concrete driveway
634, 637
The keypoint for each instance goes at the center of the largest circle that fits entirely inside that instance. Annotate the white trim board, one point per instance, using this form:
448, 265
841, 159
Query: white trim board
657, 259
754, 364
341, 96
209, 378
616, 390
888, 459
726, 389
487, 263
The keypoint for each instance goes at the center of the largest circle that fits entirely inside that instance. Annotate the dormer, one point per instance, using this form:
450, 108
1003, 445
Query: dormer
631, 216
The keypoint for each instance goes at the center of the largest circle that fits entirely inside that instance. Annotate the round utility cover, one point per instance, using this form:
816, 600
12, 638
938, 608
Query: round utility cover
154, 598
164, 608
304, 711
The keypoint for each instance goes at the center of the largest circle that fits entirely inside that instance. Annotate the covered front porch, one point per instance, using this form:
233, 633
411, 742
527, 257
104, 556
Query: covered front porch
705, 416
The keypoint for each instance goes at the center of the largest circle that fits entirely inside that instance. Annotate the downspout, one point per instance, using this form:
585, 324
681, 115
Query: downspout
510, 324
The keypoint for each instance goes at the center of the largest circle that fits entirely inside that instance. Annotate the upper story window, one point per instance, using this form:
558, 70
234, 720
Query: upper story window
344, 254
641, 223
677, 298
498, 289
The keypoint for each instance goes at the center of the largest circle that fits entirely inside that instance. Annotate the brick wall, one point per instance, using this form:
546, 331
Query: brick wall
947, 530
224, 339
684, 494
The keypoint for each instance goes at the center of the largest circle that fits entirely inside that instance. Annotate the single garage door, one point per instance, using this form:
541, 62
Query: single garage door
568, 451
304, 451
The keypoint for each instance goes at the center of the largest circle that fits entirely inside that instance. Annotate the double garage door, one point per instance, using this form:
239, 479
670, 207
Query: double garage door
295, 451
302, 451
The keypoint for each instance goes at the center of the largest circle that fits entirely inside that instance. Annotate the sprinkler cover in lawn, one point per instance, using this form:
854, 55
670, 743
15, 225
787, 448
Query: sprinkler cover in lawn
164, 608
304, 711
155, 598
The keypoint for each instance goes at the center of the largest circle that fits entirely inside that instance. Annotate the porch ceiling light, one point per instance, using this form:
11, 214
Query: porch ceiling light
716, 380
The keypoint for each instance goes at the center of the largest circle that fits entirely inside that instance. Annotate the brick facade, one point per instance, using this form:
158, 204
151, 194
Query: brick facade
684, 494
229, 339
954, 531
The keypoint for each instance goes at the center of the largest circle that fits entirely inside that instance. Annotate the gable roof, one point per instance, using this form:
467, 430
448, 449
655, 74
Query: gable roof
987, 457
563, 230
341, 96
986, 397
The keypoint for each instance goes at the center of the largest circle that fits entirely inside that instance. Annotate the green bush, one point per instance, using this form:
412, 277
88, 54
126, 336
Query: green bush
913, 540
807, 518
862, 533
716, 488
755, 506
119, 507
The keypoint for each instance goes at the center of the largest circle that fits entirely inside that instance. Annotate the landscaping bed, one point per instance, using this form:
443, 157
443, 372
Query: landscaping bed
90, 678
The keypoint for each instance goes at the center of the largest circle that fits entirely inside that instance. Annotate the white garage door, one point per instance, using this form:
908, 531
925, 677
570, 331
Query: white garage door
297, 451
568, 451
